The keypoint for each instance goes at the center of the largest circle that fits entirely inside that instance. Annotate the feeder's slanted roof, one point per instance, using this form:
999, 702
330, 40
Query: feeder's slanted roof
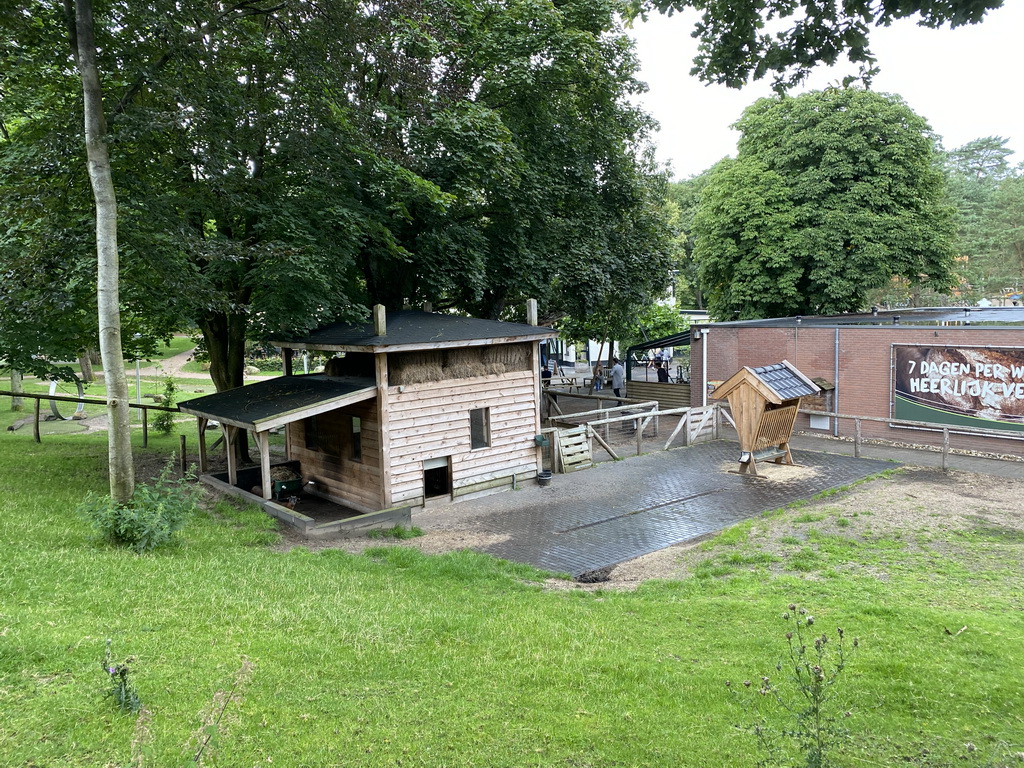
275, 402
786, 380
775, 383
413, 330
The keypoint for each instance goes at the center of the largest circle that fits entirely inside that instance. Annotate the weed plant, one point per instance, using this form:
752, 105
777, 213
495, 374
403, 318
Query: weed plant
156, 512
121, 687
399, 532
812, 669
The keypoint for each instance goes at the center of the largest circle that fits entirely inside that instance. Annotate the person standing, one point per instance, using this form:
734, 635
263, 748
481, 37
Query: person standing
598, 376
618, 374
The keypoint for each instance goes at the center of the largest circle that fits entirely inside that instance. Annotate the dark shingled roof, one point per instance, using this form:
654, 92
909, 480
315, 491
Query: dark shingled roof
281, 400
785, 381
410, 329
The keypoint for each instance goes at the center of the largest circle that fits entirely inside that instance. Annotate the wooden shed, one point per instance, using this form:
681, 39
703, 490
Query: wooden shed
413, 407
764, 402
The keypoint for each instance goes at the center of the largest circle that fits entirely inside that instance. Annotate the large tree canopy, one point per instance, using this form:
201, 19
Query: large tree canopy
744, 40
832, 194
283, 164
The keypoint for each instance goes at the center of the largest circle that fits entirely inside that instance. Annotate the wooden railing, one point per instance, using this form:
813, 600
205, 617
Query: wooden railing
144, 407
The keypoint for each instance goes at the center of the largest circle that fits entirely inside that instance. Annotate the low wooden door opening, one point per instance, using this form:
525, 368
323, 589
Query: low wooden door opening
437, 478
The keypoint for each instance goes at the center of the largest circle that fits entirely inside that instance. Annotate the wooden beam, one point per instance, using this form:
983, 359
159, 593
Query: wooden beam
263, 444
201, 425
380, 320
384, 419
229, 448
286, 356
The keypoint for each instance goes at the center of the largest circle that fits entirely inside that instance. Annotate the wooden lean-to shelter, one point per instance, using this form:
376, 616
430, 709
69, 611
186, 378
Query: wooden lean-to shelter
412, 407
764, 402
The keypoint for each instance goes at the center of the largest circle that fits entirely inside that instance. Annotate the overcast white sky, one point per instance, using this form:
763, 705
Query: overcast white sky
966, 82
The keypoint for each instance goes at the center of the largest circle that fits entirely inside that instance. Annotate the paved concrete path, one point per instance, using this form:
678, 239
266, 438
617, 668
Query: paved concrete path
600, 517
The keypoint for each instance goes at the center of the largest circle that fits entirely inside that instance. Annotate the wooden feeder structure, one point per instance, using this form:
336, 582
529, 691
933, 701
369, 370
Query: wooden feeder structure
764, 403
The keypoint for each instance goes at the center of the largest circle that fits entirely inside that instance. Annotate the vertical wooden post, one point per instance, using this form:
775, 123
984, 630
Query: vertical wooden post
537, 400
201, 429
182, 457
639, 426
35, 423
286, 357
687, 426
145, 426
380, 320
229, 449
263, 445
856, 438
945, 449
384, 419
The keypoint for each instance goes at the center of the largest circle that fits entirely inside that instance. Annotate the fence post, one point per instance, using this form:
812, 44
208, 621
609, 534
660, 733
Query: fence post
945, 449
145, 426
35, 423
181, 453
639, 435
686, 427
856, 438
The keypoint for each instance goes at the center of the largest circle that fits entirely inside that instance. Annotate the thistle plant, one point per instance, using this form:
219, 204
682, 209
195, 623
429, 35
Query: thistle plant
806, 691
122, 689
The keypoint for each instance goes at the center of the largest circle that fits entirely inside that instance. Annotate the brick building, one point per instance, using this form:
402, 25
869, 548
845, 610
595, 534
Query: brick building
950, 368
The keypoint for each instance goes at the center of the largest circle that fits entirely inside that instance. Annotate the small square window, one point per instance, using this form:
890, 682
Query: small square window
480, 428
357, 439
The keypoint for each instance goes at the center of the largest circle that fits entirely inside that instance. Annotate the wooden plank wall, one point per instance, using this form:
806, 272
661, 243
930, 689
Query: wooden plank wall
667, 395
431, 421
355, 483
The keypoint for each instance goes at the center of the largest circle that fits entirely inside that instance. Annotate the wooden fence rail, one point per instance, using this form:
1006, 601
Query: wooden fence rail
144, 407
929, 426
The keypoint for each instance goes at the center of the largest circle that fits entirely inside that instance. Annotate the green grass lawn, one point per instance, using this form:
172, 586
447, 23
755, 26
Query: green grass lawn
394, 658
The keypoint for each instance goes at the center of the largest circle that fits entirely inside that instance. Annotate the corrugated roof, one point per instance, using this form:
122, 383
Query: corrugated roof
785, 381
989, 317
273, 402
409, 329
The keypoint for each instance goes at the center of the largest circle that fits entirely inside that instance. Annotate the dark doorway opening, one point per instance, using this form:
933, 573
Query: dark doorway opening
437, 481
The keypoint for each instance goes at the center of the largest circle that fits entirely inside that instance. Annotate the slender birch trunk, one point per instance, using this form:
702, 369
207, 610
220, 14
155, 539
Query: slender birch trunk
119, 446
17, 403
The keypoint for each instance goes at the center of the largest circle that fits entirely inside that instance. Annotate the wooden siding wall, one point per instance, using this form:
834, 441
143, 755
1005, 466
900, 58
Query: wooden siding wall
667, 395
431, 421
355, 483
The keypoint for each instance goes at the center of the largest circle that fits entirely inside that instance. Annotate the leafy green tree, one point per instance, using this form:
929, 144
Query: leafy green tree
982, 183
685, 196
744, 40
832, 194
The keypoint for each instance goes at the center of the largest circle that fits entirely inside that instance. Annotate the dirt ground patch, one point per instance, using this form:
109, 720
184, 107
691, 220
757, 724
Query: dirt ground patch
920, 501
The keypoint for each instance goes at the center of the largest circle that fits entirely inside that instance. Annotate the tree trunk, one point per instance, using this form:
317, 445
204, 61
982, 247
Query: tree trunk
225, 343
17, 403
119, 446
85, 363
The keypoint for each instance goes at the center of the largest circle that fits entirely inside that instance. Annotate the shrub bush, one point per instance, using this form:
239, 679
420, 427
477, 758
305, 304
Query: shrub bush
163, 422
155, 513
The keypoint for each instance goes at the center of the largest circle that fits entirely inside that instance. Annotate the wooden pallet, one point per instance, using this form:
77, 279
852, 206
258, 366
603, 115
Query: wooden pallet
574, 449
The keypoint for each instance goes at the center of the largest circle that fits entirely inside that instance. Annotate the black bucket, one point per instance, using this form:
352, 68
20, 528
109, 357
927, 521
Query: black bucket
544, 478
